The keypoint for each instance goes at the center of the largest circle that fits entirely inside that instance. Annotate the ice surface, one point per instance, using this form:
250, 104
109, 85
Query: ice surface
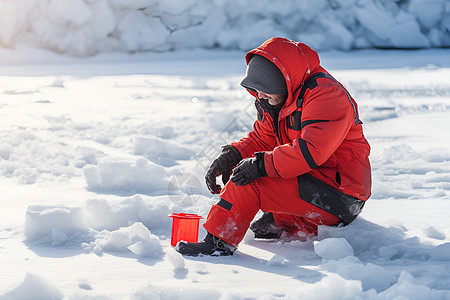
84, 27
85, 206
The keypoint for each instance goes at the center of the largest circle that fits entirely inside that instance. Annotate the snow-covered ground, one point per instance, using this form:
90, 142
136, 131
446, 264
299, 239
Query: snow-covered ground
95, 153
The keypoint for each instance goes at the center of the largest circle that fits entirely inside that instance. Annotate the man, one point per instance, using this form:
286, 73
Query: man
304, 164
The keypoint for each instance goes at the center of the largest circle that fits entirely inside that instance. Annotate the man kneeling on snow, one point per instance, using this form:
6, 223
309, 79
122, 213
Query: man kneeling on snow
304, 164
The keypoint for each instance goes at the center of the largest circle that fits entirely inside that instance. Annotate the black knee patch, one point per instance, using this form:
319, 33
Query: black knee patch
225, 204
329, 199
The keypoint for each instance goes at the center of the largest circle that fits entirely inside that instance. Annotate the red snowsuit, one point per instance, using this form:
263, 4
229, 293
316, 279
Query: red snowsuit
318, 134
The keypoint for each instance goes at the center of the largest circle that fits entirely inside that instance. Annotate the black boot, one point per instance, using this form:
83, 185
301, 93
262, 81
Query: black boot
265, 227
211, 245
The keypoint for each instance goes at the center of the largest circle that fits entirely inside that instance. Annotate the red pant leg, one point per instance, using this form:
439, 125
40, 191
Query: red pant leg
231, 223
231, 218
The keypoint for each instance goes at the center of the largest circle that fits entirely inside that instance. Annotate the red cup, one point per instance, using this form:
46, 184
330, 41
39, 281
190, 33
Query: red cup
184, 227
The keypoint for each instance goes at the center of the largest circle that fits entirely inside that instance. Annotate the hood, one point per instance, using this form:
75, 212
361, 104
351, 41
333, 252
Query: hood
294, 59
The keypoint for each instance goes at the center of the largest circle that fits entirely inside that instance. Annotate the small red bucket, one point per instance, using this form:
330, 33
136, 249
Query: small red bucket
184, 227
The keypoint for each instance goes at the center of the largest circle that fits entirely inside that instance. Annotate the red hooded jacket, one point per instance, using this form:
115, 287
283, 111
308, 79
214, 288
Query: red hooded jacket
322, 137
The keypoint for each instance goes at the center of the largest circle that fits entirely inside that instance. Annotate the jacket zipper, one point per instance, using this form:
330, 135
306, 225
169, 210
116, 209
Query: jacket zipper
278, 131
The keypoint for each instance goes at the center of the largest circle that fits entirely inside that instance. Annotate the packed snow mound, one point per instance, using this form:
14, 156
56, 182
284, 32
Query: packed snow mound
368, 239
53, 223
33, 287
102, 226
135, 226
83, 27
135, 238
441, 252
160, 151
101, 214
114, 175
176, 259
372, 276
333, 248
336, 287
330, 287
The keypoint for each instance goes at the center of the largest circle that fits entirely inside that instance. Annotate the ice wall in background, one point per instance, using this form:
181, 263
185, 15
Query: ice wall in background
86, 27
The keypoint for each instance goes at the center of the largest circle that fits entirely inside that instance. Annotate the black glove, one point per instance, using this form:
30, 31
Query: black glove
222, 166
249, 169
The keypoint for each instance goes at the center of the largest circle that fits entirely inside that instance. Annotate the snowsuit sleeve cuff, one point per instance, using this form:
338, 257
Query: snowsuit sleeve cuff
268, 163
241, 150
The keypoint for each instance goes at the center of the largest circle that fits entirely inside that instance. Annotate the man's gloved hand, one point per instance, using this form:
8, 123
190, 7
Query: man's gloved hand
222, 166
249, 169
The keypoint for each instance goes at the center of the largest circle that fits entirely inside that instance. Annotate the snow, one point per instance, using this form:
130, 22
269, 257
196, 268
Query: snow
141, 176
176, 259
428, 13
65, 10
34, 287
136, 238
95, 153
86, 27
333, 248
52, 222
441, 252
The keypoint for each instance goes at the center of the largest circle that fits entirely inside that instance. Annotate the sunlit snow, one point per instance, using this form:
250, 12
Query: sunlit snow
96, 153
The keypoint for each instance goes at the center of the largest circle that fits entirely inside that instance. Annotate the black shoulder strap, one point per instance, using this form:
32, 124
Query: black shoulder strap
311, 83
